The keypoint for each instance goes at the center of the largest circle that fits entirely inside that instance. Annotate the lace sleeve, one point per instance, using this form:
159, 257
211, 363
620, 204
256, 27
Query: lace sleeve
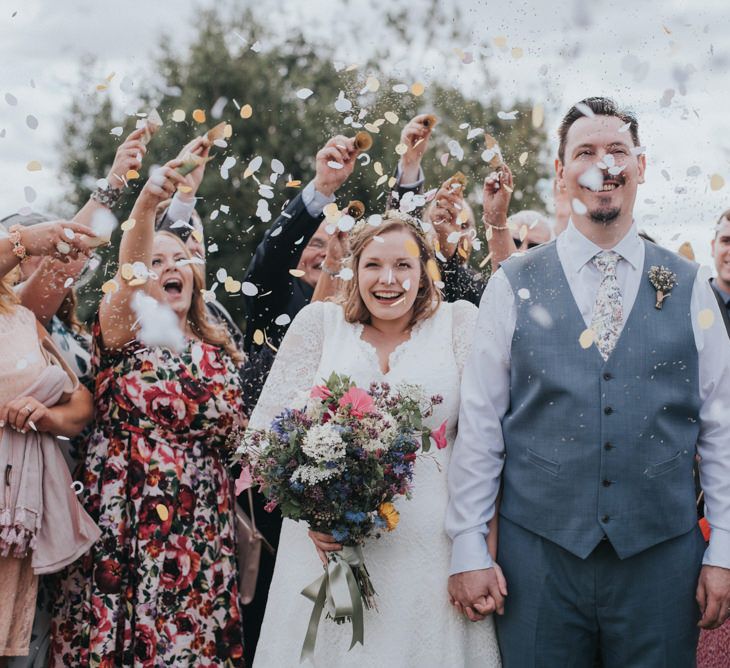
463, 322
294, 367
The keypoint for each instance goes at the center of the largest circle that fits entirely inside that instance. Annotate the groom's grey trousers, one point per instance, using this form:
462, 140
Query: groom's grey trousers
640, 611
598, 535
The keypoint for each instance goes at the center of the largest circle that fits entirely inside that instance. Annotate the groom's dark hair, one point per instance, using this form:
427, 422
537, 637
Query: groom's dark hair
600, 106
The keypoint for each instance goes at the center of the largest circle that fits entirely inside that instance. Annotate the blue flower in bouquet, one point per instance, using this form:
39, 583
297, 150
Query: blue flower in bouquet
355, 517
340, 535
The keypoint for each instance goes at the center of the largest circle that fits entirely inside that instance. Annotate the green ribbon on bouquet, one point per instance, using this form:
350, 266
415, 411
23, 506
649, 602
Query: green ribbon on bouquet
337, 588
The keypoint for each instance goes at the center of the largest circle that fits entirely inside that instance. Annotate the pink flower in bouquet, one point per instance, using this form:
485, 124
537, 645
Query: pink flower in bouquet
439, 436
320, 392
360, 402
244, 480
269, 507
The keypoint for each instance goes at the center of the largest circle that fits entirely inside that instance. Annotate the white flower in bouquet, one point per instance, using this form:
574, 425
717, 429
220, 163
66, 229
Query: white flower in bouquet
415, 392
311, 475
386, 428
323, 444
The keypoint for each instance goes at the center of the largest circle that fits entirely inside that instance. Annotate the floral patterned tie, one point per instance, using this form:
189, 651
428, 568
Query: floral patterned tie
608, 310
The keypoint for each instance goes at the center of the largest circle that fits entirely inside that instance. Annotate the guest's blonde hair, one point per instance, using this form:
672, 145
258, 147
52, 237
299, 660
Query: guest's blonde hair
428, 297
8, 298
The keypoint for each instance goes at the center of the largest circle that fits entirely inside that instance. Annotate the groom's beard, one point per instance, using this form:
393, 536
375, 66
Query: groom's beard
605, 214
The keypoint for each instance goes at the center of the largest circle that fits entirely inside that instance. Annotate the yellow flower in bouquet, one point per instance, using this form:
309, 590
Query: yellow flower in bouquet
391, 516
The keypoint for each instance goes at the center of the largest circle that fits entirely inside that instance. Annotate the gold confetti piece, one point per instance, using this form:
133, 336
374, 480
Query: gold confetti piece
297, 273
517, 52
371, 127
331, 210
666, 30
686, 250
363, 141
184, 189
199, 116
110, 287
412, 248
483, 263
433, 270
489, 233
162, 511
523, 158
500, 42
131, 175
392, 181
400, 149
258, 337
128, 224
138, 281
706, 318
231, 284
217, 131
587, 338
381, 180
378, 168
246, 111
228, 131
178, 116
538, 116
127, 271
355, 208
101, 87
716, 182
293, 184
197, 235
418, 89
351, 68
34, 166
391, 117
372, 84
523, 233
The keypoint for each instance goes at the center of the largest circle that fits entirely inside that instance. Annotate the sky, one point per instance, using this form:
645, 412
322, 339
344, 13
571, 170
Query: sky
667, 61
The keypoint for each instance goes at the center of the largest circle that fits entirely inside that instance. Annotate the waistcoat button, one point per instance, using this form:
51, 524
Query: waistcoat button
608, 410
606, 483
607, 376
605, 519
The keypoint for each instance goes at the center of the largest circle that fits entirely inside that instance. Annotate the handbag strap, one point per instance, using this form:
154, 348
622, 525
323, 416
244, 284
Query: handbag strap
250, 510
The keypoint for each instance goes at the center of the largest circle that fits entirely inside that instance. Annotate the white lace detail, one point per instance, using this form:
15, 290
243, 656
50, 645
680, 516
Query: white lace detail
414, 624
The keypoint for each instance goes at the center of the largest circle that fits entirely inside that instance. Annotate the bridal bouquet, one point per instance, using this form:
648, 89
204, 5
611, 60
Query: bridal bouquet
338, 463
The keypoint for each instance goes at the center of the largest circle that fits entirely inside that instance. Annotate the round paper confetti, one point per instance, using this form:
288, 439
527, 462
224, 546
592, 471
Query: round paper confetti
34, 166
706, 318
162, 511
258, 337
523, 293
297, 273
304, 93
391, 117
587, 338
199, 116
346, 274
246, 111
132, 174
517, 52
372, 84
178, 115
128, 224
282, 320
417, 89
579, 207
400, 149
412, 248
249, 289
31, 121
538, 115
716, 182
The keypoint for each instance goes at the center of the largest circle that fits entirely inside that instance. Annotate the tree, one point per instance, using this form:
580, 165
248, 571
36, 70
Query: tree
219, 65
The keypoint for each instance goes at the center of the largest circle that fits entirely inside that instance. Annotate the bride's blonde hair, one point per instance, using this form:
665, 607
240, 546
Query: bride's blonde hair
428, 297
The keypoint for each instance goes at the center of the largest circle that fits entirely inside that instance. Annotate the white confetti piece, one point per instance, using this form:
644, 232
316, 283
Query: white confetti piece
400, 88
585, 109
579, 207
346, 223
342, 104
213, 248
592, 178
11, 99
277, 166
221, 275
474, 132
31, 121
158, 324
523, 293
333, 164
282, 320
117, 131
705, 318
375, 220
229, 162
68, 282
249, 289
507, 115
455, 149
346, 274
304, 93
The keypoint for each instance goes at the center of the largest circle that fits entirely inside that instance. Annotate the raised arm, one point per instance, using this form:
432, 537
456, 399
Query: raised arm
116, 315
496, 197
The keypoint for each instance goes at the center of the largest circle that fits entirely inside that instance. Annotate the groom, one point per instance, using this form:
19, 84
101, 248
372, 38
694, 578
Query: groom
587, 403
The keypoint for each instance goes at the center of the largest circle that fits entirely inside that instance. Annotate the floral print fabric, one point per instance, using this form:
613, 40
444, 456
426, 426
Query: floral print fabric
608, 312
160, 588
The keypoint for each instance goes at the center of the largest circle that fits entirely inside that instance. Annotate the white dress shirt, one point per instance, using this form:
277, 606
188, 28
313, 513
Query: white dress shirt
477, 461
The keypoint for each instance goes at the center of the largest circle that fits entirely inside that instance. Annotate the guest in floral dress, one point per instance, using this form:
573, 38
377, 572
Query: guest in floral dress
161, 585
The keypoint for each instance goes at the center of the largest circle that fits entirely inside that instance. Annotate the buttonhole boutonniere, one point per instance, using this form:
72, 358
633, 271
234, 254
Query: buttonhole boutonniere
663, 281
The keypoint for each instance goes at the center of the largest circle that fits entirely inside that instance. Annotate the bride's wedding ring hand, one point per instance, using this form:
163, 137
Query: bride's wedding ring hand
324, 543
478, 593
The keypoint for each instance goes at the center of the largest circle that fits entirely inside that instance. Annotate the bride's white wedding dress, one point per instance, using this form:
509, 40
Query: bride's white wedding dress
414, 625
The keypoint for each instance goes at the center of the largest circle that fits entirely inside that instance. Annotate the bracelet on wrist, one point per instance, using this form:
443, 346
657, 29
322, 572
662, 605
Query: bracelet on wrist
495, 227
19, 250
329, 272
107, 197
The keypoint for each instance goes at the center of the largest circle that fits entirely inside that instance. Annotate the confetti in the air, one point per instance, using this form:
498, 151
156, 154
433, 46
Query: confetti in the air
705, 318
304, 93
587, 338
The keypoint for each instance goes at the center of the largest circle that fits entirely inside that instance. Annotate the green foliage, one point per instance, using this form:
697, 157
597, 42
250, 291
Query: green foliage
218, 64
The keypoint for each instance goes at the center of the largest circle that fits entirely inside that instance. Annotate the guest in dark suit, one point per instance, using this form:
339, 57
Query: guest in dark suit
721, 255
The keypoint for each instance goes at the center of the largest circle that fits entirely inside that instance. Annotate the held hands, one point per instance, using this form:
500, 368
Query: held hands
338, 246
713, 596
25, 413
496, 196
324, 543
477, 594
340, 150
129, 157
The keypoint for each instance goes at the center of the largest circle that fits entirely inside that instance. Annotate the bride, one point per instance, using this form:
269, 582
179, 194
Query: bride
391, 327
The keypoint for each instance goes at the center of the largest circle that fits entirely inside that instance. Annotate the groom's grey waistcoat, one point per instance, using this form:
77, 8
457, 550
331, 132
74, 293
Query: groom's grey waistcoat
596, 448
